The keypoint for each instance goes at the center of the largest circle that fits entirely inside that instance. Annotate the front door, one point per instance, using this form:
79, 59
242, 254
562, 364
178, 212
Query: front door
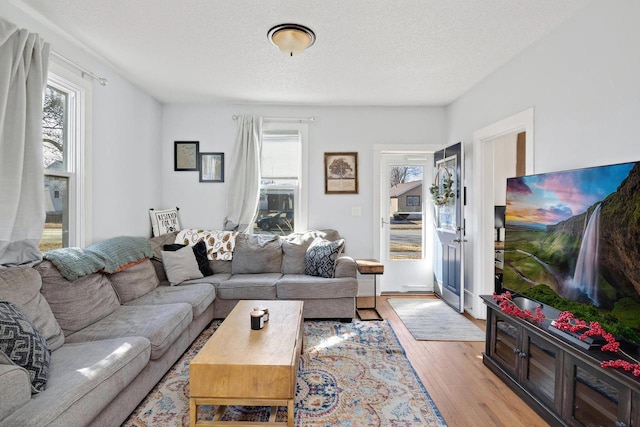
447, 194
405, 237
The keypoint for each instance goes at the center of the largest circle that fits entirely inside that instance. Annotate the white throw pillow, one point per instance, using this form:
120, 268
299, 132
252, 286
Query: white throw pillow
164, 221
181, 265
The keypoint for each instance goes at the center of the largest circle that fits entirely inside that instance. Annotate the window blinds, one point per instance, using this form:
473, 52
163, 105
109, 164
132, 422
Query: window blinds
280, 157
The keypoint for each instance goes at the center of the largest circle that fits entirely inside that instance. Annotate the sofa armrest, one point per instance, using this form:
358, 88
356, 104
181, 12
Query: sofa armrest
15, 389
345, 267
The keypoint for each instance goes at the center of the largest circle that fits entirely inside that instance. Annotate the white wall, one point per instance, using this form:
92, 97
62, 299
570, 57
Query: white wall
583, 81
124, 164
334, 129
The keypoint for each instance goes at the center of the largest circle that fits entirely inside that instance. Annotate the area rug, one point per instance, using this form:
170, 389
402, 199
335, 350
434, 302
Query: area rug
434, 320
351, 374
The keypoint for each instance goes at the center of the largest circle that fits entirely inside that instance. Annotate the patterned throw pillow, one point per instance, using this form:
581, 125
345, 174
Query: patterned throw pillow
164, 221
22, 345
320, 258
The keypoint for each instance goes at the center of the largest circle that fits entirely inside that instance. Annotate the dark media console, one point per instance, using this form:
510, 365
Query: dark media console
562, 382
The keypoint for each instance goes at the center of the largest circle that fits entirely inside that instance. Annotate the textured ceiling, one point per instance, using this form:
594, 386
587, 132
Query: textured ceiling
367, 52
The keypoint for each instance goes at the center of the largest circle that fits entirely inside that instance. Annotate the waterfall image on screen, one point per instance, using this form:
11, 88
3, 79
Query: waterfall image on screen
577, 232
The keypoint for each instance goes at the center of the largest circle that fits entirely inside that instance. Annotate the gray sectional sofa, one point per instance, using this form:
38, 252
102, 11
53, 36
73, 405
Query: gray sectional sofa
273, 267
113, 336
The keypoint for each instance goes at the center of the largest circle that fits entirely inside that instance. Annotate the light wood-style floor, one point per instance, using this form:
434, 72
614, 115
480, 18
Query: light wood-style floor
466, 392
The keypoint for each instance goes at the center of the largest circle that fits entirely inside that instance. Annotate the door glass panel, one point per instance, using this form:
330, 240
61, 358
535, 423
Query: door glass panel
541, 372
595, 400
443, 192
405, 212
505, 344
56, 228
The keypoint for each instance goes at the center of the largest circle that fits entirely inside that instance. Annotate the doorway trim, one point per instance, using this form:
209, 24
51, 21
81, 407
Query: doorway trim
483, 248
378, 150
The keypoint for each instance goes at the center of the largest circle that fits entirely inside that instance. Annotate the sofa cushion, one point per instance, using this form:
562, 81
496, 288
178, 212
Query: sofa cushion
21, 344
249, 286
84, 378
180, 265
79, 303
214, 280
294, 248
15, 390
257, 253
320, 258
295, 245
135, 281
302, 286
198, 295
157, 243
21, 286
160, 324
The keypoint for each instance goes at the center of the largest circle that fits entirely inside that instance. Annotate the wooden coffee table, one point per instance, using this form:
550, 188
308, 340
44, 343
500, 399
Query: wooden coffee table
245, 367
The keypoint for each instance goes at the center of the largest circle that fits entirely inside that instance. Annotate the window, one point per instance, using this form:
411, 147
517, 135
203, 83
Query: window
282, 208
63, 124
413, 200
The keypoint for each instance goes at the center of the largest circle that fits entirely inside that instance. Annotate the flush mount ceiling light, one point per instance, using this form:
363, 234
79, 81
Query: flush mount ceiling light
291, 39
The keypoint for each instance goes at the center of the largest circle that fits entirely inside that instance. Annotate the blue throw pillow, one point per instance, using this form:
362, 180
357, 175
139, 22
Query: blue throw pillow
22, 345
320, 258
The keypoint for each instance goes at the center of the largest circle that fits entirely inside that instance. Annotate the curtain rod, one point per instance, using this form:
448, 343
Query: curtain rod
283, 119
84, 71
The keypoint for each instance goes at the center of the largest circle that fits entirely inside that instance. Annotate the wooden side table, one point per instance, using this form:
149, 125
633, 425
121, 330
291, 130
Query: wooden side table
370, 266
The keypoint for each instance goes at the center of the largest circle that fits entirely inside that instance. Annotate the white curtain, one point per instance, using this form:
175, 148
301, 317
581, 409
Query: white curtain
243, 192
24, 58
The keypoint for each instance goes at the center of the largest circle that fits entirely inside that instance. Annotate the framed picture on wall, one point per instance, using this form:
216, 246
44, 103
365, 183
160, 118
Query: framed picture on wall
340, 173
211, 167
186, 155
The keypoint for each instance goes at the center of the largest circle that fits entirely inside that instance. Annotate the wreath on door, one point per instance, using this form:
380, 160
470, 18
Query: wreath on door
442, 195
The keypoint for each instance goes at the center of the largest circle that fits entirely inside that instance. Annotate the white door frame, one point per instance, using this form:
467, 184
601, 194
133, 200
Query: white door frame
378, 150
483, 247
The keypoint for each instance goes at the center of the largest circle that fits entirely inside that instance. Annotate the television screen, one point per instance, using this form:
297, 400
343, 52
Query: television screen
573, 241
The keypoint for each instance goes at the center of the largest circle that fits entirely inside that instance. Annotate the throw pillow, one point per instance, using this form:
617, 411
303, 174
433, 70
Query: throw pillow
22, 345
257, 253
180, 265
320, 258
164, 221
200, 251
134, 282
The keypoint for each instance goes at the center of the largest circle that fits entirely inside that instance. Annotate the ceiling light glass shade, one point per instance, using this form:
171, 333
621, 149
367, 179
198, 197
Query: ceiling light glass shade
291, 39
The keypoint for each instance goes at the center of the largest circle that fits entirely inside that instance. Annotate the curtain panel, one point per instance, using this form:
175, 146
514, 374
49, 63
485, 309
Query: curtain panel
243, 192
24, 58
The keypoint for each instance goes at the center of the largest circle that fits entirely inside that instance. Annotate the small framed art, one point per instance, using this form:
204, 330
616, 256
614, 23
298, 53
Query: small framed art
186, 155
340, 173
211, 167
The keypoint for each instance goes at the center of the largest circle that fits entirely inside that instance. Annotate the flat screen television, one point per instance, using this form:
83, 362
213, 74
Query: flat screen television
572, 241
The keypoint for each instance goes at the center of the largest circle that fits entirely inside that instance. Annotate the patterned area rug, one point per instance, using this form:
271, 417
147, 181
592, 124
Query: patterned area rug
351, 374
433, 320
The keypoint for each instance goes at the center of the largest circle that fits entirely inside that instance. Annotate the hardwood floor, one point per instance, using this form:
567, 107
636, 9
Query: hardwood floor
466, 392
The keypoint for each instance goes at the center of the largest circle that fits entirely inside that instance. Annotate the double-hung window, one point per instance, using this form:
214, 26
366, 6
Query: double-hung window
283, 197
63, 145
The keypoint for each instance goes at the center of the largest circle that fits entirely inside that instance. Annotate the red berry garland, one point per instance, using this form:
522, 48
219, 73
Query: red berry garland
566, 321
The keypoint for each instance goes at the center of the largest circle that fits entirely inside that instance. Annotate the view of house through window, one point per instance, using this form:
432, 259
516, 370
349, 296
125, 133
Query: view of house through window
280, 183
405, 212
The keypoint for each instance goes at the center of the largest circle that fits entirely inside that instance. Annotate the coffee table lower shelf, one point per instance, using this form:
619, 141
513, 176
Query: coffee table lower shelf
223, 403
